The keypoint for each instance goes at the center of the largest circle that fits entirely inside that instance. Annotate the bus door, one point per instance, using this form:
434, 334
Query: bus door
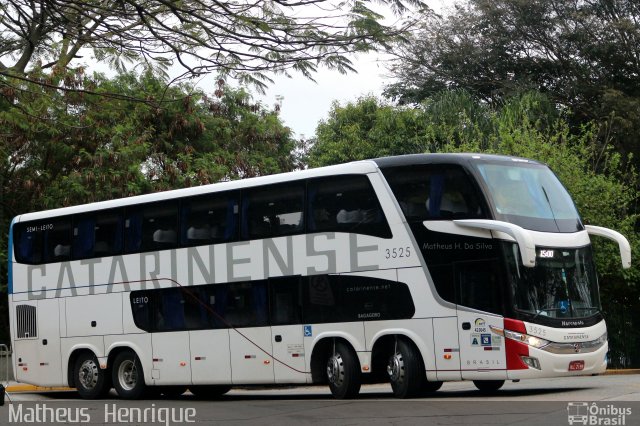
171, 358
482, 352
287, 330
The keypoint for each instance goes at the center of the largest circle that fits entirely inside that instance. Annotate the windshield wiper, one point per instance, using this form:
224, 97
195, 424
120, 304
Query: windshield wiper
546, 196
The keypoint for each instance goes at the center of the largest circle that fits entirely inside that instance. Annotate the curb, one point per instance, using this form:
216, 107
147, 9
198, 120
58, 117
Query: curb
33, 388
625, 371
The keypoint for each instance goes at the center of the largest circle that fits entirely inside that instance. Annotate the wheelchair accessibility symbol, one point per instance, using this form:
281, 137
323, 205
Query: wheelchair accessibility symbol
307, 331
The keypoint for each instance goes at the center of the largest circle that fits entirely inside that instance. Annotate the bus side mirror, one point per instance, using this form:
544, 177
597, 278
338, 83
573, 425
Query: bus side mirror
522, 236
623, 243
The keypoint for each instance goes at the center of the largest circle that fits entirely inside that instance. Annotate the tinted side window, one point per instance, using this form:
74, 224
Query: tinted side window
27, 241
479, 285
209, 219
272, 211
57, 241
345, 204
43, 241
247, 304
179, 309
432, 192
336, 298
97, 234
151, 227
284, 300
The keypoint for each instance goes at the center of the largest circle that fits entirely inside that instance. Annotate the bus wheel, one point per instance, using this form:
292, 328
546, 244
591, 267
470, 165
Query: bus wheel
209, 391
91, 381
430, 387
405, 370
172, 391
488, 386
127, 376
343, 372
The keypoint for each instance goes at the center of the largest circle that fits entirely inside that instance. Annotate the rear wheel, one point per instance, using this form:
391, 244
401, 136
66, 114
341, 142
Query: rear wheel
488, 386
127, 376
343, 372
405, 369
91, 381
209, 391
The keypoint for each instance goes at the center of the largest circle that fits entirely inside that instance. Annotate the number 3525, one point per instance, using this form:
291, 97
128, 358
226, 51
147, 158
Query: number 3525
397, 252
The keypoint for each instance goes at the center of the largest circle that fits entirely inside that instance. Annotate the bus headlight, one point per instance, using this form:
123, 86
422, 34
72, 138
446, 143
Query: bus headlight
536, 342
533, 341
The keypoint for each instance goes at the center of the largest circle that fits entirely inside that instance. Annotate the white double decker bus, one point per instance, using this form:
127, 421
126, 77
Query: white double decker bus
412, 270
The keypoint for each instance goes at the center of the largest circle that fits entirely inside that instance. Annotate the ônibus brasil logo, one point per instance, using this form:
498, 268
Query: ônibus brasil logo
593, 414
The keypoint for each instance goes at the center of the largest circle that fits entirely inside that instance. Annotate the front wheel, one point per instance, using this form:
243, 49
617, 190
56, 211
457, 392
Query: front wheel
127, 376
405, 370
343, 372
488, 386
91, 381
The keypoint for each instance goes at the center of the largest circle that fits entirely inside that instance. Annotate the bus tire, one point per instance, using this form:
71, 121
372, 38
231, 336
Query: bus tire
209, 391
488, 386
343, 372
91, 381
127, 376
430, 387
405, 370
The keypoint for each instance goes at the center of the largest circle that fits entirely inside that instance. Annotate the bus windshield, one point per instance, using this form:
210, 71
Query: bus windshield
563, 283
529, 195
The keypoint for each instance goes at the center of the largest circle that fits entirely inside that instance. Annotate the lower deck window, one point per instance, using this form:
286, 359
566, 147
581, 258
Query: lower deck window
278, 301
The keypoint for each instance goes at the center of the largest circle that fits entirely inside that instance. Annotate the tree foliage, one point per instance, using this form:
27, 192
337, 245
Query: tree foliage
584, 54
244, 39
62, 148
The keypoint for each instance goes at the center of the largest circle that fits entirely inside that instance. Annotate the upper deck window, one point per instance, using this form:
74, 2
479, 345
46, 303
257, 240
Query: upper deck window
43, 241
97, 234
345, 204
529, 195
210, 219
435, 192
151, 226
273, 211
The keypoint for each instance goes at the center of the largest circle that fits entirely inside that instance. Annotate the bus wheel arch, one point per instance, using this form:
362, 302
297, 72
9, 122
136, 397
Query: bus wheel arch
334, 362
84, 374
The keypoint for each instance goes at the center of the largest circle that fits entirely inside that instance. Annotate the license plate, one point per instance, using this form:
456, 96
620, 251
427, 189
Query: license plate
576, 366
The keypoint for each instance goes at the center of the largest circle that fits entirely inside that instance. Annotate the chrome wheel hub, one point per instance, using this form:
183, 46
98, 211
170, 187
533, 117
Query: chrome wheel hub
88, 374
395, 368
127, 375
335, 369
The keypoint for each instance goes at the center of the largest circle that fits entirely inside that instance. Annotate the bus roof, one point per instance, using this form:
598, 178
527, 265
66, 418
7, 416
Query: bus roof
457, 158
356, 167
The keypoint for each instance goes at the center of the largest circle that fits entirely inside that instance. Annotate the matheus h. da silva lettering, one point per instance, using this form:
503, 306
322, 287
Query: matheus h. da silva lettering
413, 270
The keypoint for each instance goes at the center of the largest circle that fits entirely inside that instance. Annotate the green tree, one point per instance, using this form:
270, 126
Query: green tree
584, 54
66, 148
243, 39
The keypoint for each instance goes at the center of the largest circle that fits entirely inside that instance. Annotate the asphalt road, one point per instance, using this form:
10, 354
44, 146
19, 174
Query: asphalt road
548, 402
